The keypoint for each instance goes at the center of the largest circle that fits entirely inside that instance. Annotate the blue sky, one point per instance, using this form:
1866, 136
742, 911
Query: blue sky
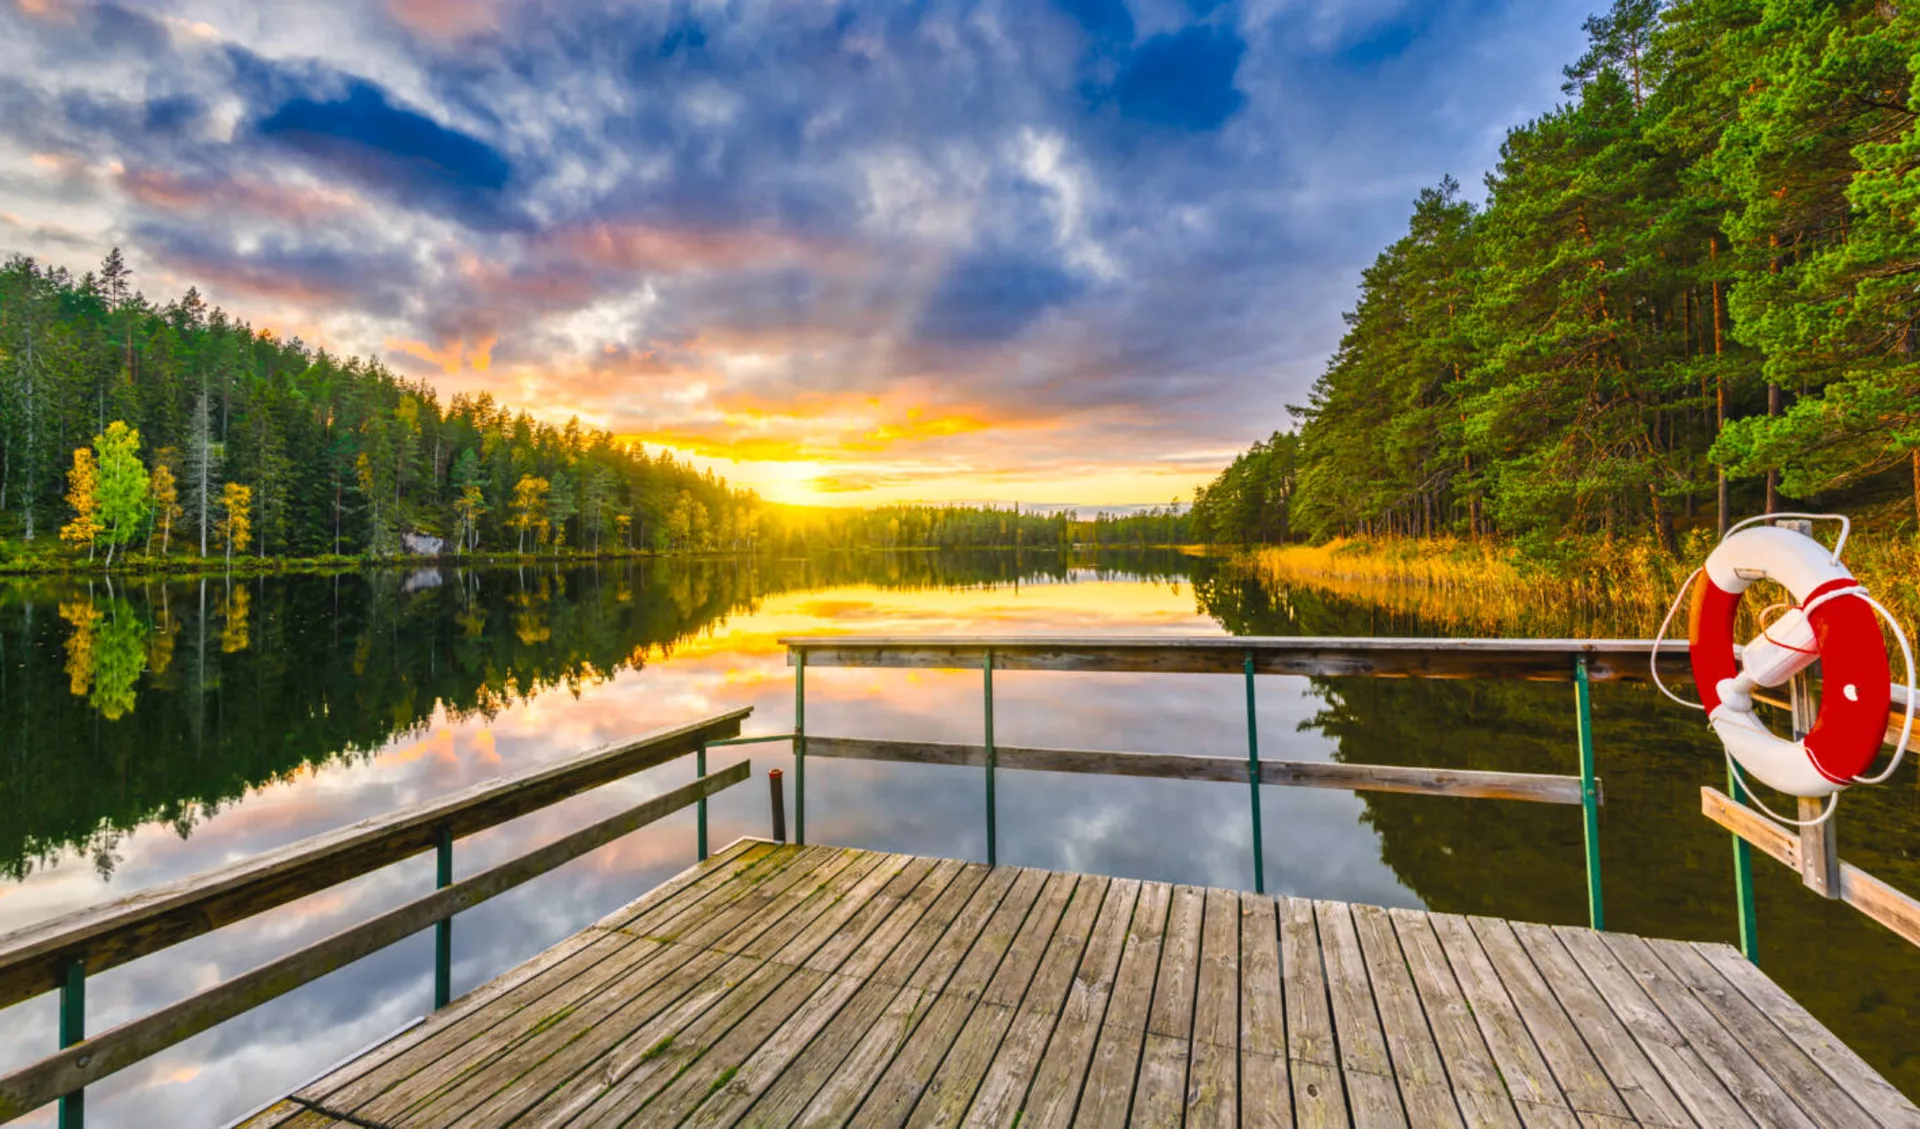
1057, 250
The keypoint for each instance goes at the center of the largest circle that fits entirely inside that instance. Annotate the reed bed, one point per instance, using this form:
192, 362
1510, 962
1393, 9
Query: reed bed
1488, 588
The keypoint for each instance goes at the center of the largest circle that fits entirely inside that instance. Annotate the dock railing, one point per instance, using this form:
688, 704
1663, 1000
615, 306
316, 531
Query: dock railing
59, 954
1813, 852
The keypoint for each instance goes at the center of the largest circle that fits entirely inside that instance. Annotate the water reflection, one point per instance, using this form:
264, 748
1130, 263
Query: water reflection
157, 729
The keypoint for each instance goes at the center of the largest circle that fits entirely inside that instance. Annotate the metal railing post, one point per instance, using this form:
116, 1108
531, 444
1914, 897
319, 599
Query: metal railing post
799, 748
1253, 785
700, 817
443, 930
1589, 792
73, 1029
993, 842
1743, 879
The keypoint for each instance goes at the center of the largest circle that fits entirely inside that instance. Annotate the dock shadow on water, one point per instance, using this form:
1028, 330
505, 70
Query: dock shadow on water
155, 729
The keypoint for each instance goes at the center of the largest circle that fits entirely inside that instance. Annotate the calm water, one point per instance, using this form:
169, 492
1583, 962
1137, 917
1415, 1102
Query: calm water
152, 730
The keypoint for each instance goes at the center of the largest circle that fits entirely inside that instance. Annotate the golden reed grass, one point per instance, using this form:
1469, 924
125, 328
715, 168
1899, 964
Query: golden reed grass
1486, 588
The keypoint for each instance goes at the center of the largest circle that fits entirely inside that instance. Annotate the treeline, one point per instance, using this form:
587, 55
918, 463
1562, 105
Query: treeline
793, 530
236, 439
1691, 293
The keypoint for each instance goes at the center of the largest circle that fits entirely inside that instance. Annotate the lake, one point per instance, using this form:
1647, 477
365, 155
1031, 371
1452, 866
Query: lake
152, 729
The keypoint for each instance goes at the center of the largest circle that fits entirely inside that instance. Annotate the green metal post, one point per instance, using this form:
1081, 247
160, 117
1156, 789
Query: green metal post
1589, 792
73, 1028
993, 843
1743, 879
1253, 786
700, 771
443, 929
800, 748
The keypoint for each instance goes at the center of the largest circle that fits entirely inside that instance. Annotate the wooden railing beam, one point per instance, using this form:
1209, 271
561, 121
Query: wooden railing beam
1534, 787
33, 959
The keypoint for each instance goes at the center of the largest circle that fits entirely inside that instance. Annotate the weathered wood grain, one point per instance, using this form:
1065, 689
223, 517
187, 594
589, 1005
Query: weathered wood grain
1213, 1066
1108, 1094
1697, 1087
1467, 783
1424, 1089
1471, 1071
1747, 1079
1313, 1058
1633, 1075
1365, 1065
1586, 1085
1859, 1080
1015, 1062
32, 959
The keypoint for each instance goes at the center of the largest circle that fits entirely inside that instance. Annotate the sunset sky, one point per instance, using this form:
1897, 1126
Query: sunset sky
1066, 251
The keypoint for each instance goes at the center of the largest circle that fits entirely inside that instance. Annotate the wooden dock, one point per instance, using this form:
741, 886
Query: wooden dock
776, 985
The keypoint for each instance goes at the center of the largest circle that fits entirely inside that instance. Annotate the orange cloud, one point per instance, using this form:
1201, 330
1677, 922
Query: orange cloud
647, 247
161, 189
445, 19
451, 358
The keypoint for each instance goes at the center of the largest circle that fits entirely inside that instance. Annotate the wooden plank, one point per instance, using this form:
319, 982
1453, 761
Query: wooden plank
1548, 660
998, 1099
910, 1076
1159, 1093
1313, 1057
651, 976
1058, 1071
633, 1021
1581, 1078
793, 1037
1424, 1089
1108, 1093
1696, 1085
789, 1091
1213, 1067
33, 959
581, 952
1751, 826
1860, 1081
1633, 1075
1471, 783
1881, 902
1265, 1094
1471, 1071
1746, 1079
1871, 896
1161, 1086
866, 1056
949, 1096
629, 1077
1812, 1088
95, 1058
1527, 1076
1365, 1065
469, 1041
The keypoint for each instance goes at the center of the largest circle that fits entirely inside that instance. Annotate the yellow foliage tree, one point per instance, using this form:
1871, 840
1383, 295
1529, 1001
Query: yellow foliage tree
166, 502
529, 507
235, 527
83, 482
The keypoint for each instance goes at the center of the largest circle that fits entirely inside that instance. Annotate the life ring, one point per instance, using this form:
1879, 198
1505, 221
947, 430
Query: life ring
1832, 621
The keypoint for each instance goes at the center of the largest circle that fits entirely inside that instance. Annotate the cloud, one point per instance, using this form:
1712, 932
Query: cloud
1074, 236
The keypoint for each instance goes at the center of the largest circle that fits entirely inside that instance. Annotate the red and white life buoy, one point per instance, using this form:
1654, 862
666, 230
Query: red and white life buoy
1832, 620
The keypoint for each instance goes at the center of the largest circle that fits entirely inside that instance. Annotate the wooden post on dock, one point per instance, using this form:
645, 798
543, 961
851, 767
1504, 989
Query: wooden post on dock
1819, 849
777, 794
